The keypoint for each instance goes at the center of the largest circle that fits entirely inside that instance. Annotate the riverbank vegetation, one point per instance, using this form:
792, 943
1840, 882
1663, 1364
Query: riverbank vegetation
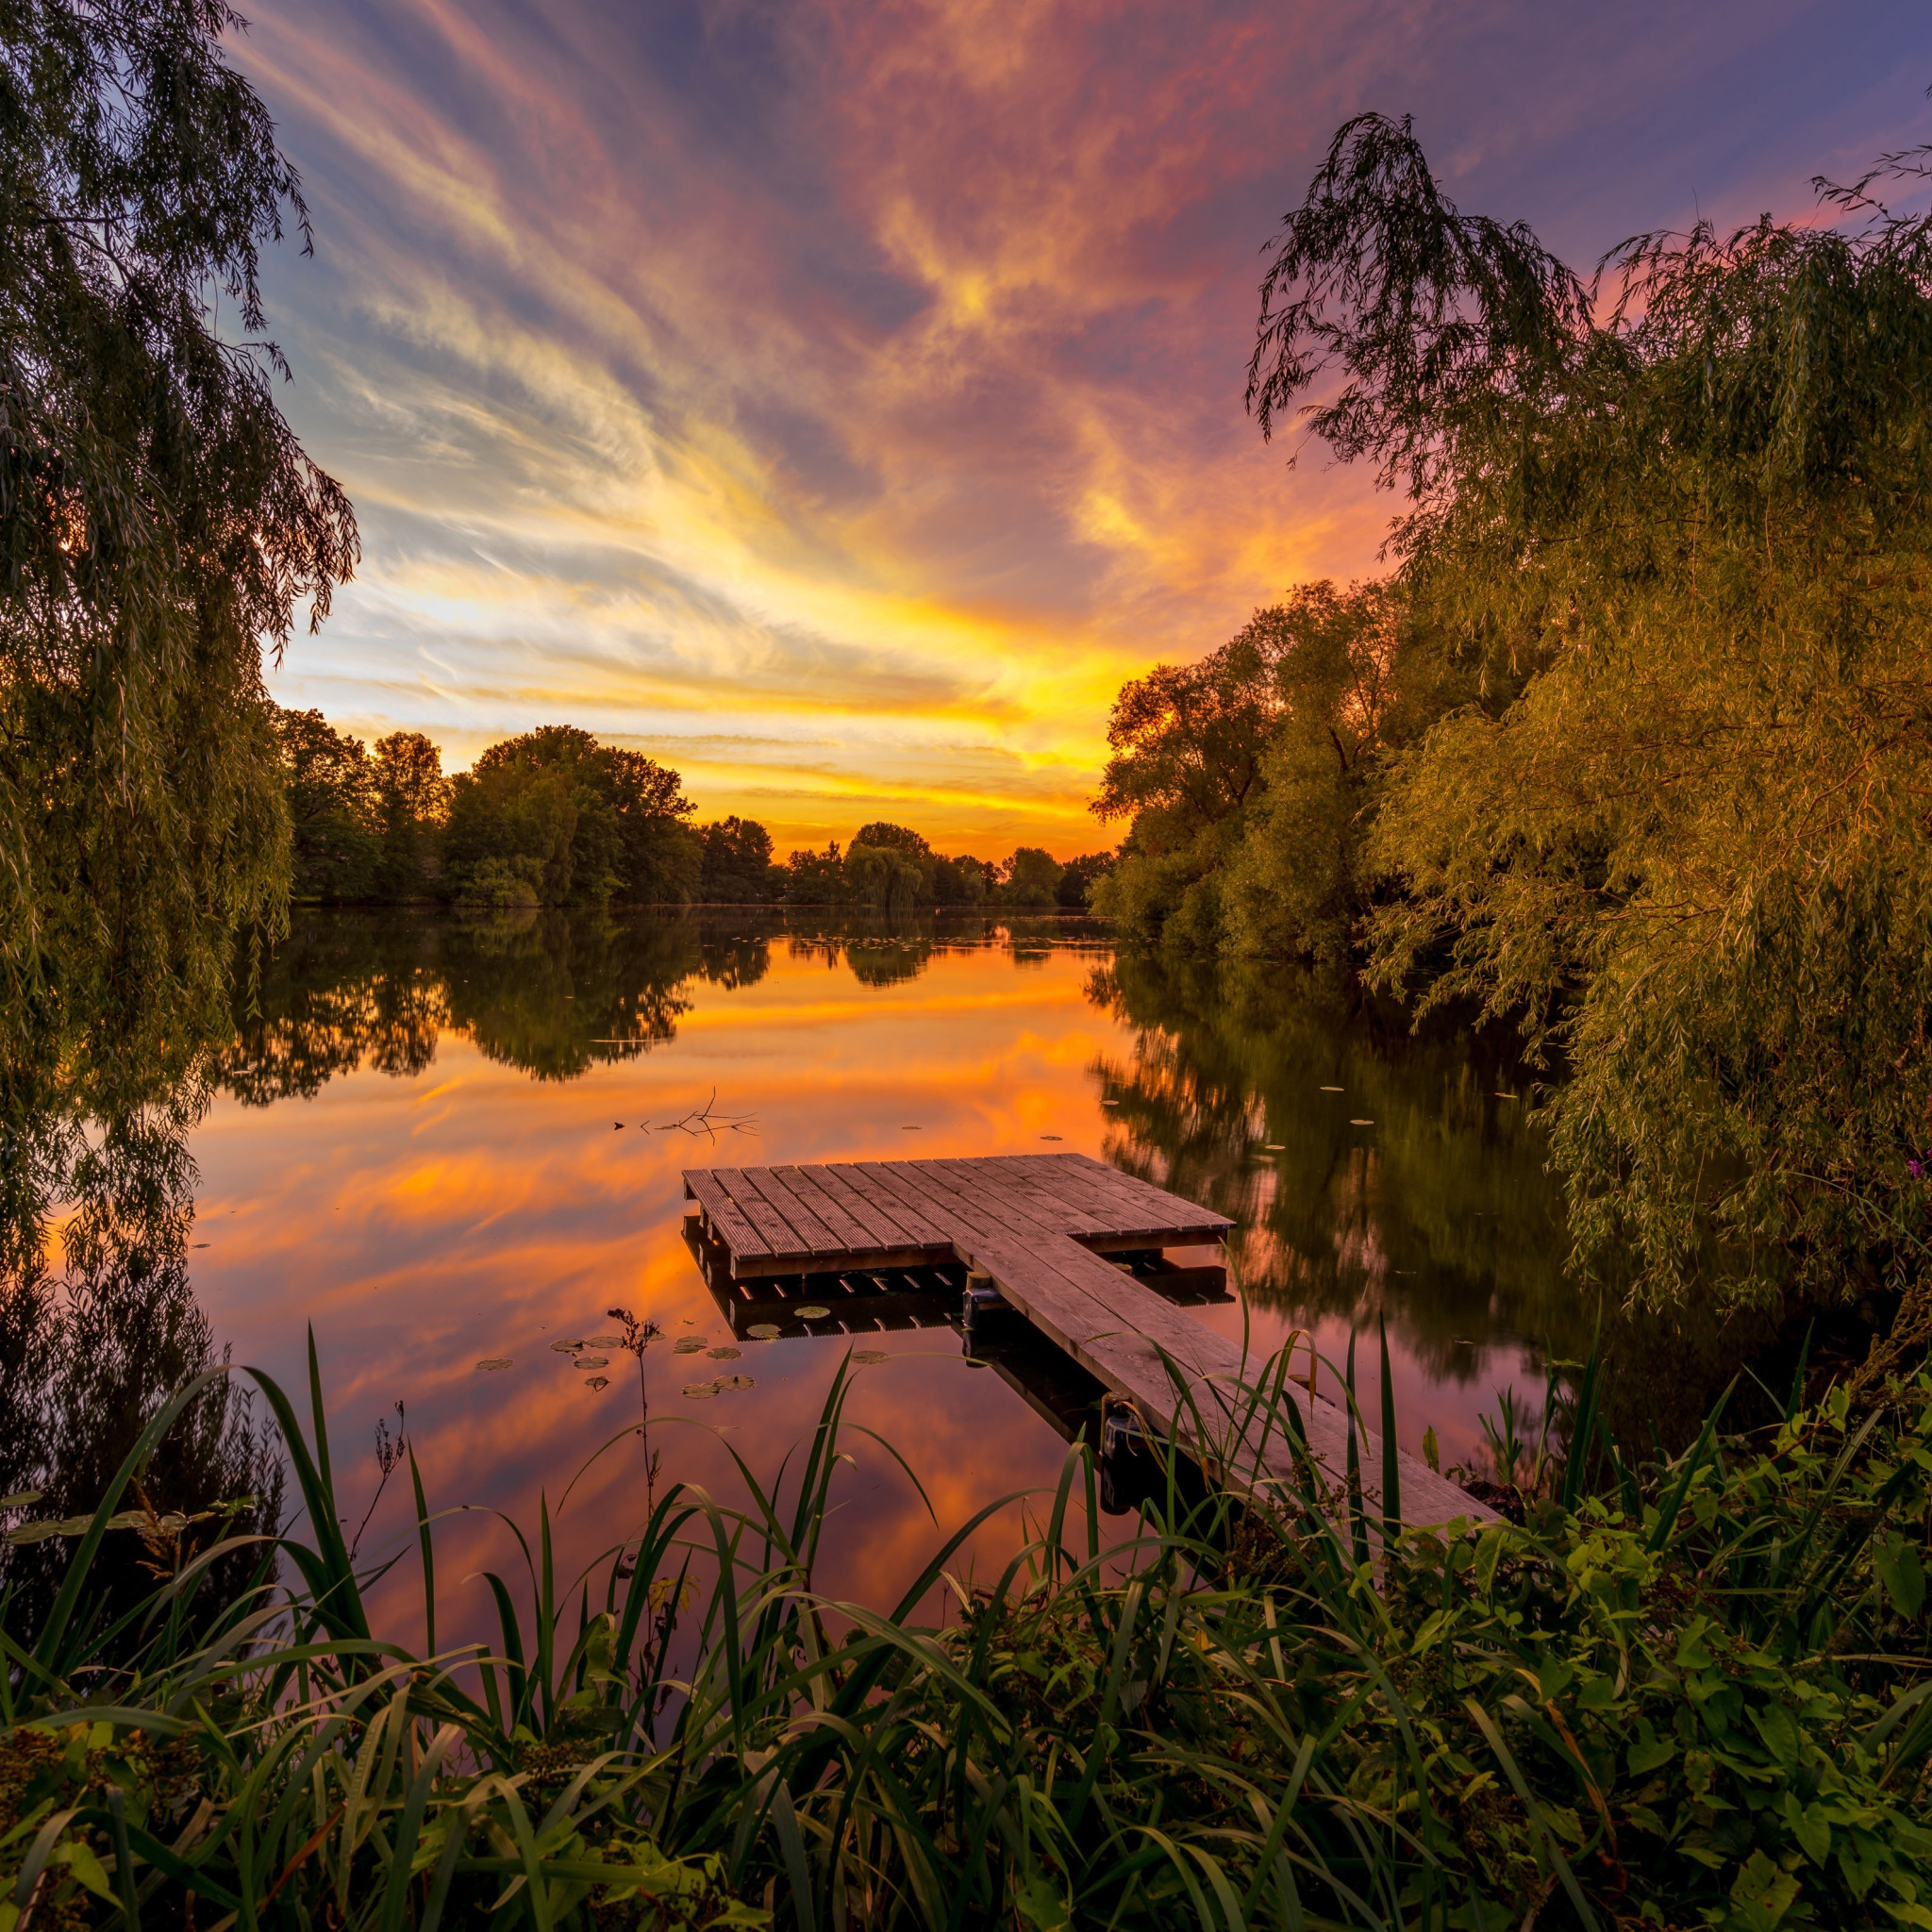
1692, 1691
553, 818
1630, 749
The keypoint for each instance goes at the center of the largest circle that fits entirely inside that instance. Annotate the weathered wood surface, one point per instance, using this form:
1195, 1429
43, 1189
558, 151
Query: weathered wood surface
1038, 1225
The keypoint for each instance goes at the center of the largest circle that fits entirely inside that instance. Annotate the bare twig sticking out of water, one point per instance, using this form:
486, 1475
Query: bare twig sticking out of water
702, 1119
708, 1120
389, 1457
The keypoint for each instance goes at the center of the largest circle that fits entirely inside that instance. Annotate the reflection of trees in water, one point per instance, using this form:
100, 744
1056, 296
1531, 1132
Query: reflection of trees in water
89, 1352
1441, 1217
888, 950
552, 993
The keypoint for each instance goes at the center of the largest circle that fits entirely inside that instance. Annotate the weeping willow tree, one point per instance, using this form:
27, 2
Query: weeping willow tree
158, 523
1681, 512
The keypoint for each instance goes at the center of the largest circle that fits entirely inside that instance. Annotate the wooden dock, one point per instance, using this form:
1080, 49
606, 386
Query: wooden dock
1040, 1227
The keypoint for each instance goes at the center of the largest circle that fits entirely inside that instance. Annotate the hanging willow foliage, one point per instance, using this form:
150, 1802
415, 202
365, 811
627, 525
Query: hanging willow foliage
1680, 516
158, 523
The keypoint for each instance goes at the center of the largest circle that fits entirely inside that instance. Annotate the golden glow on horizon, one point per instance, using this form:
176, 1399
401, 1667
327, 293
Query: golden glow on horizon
836, 545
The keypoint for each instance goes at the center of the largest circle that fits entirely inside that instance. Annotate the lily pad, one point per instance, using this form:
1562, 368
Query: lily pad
21, 1498
872, 1355
723, 1354
1362, 1124
688, 1345
1273, 1147
763, 1331
1335, 1090
726, 1383
700, 1391
568, 1347
591, 1362
492, 1363
597, 1382
605, 1342
812, 1311
1049, 1136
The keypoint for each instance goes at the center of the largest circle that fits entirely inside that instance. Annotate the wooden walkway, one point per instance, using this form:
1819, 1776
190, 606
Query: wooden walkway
1038, 1225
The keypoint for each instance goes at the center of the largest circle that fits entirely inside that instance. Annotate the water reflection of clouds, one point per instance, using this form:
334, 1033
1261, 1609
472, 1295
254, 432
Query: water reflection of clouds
414, 1152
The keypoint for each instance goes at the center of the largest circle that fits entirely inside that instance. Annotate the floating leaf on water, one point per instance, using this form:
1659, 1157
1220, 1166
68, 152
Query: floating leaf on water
568, 1347
591, 1362
1362, 1124
1273, 1147
597, 1382
725, 1383
40, 1532
21, 1498
872, 1355
605, 1342
490, 1364
1110, 1103
688, 1345
1049, 1136
700, 1391
763, 1331
723, 1354
812, 1311
1335, 1090
1505, 1096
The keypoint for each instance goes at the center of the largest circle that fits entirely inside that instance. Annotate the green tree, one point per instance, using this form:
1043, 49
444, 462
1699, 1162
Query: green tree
887, 878
657, 859
1187, 744
961, 881
553, 818
816, 878
411, 801
158, 521
1686, 511
1355, 680
736, 864
1078, 877
330, 789
1033, 876
891, 837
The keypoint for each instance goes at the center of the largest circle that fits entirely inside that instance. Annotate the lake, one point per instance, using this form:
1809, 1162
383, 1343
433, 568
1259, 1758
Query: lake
438, 1142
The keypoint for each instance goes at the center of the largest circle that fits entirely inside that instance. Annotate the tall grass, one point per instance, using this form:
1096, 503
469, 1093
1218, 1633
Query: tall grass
1695, 1692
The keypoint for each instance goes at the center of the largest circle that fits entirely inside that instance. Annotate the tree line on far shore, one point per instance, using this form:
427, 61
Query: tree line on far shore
552, 818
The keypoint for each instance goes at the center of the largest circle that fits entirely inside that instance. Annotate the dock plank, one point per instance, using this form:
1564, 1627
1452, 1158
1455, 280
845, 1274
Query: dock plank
781, 1243
730, 1227
1038, 1224
778, 1194
839, 1209
909, 1210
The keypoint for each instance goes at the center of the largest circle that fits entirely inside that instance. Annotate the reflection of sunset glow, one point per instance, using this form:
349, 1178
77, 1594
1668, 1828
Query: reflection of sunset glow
424, 1224
840, 401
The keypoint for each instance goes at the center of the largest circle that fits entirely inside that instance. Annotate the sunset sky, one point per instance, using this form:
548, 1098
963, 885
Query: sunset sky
838, 400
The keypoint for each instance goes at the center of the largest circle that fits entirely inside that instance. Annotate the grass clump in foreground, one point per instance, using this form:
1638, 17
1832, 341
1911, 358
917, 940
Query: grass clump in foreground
1695, 1695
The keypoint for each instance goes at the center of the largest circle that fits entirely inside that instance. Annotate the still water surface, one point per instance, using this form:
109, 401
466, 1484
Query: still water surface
444, 1141
438, 1142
